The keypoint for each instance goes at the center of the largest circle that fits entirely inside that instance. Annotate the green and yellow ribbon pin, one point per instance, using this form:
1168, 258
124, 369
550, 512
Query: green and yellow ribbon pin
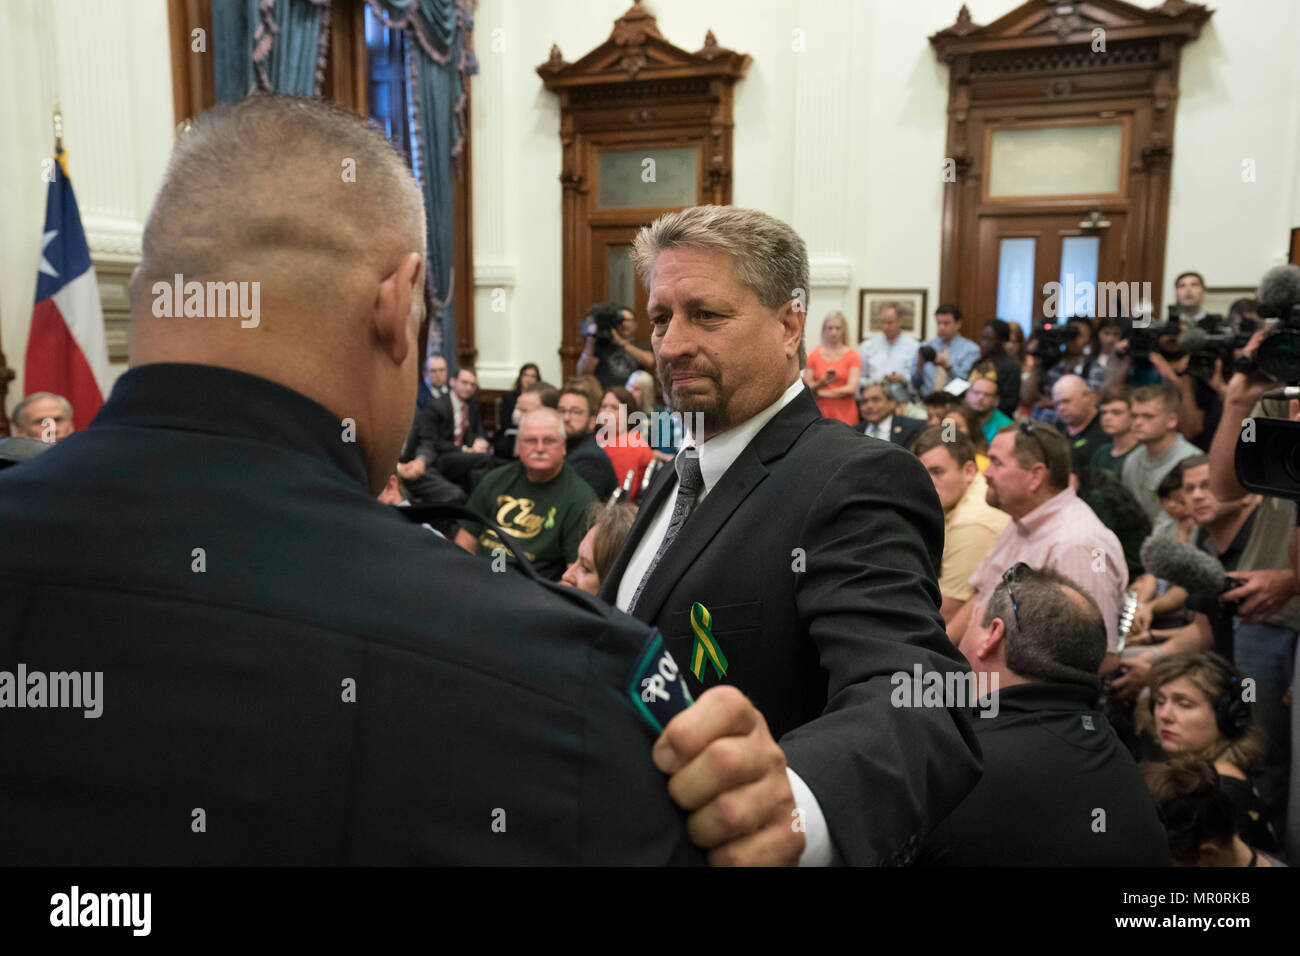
705, 644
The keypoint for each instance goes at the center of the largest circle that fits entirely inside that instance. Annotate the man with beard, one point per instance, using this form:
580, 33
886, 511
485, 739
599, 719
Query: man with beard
785, 556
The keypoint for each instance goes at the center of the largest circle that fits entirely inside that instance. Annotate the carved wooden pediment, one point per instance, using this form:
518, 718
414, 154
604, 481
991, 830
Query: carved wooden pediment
636, 50
1052, 23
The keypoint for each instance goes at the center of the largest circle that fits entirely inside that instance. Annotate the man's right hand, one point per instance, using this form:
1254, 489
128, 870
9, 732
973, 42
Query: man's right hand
729, 774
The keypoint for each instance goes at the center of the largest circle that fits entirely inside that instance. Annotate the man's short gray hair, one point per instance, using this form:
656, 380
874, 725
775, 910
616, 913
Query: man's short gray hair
550, 415
1061, 635
20, 410
771, 260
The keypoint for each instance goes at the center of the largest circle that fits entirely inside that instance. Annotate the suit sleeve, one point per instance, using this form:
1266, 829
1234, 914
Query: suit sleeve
884, 775
426, 435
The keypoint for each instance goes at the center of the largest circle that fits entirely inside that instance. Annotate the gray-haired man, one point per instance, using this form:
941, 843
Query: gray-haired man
794, 556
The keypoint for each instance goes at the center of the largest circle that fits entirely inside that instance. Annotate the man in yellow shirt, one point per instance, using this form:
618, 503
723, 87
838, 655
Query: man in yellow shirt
970, 524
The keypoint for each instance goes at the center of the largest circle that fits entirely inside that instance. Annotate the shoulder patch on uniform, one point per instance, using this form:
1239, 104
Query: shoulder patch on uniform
655, 684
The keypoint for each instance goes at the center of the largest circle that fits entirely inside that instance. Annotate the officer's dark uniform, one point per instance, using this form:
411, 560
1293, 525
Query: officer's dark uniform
293, 673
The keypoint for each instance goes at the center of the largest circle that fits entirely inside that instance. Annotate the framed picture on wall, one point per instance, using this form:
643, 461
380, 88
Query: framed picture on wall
1218, 299
911, 310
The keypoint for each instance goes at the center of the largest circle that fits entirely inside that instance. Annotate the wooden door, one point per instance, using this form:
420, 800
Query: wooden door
1020, 260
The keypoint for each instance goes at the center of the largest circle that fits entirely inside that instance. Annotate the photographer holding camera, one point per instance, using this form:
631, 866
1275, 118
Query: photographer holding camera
1060, 349
1255, 450
611, 354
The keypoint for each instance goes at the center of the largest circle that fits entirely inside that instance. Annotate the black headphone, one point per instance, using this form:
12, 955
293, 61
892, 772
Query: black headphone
1231, 713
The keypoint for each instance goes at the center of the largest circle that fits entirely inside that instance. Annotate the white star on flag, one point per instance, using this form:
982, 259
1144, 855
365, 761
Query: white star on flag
45, 266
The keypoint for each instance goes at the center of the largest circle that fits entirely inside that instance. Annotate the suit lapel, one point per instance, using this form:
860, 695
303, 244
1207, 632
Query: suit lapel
745, 474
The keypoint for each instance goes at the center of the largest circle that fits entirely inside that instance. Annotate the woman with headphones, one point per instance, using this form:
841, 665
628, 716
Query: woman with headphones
1201, 710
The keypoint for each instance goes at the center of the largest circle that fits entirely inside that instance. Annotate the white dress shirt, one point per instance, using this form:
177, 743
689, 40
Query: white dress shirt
880, 357
717, 455
882, 428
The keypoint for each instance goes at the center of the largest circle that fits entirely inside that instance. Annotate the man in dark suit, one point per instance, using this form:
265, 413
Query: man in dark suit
789, 558
582, 454
1059, 788
876, 409
433, 384
448, 442
289, 672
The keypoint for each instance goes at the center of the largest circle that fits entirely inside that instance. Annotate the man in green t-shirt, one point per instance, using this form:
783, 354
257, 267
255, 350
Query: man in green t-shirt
536, 499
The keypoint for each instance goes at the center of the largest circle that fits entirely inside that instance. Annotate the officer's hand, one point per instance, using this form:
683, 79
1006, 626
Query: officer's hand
729, 774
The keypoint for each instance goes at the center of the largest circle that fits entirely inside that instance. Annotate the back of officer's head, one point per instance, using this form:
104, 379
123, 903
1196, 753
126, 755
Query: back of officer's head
1053, 629
305, 200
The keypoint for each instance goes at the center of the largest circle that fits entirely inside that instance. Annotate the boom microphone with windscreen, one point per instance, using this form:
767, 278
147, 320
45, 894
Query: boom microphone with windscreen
1201, 574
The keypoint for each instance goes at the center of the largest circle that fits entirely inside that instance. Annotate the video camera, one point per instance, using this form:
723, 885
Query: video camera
1212, 340
1269, 462
600, 321
1143, 340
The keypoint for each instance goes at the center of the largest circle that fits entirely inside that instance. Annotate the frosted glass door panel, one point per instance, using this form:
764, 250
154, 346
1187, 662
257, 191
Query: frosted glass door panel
1079, 257
622, 277
1056, 161
1016, 281
634, 179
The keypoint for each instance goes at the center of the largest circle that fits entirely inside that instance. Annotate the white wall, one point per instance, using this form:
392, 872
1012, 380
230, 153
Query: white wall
107, 64
845, 140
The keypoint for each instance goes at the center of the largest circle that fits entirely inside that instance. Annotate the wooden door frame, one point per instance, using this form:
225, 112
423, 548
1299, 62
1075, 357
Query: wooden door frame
1041, 62
635, 88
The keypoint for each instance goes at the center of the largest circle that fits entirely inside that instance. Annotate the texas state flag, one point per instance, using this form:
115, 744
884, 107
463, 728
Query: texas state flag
66, 351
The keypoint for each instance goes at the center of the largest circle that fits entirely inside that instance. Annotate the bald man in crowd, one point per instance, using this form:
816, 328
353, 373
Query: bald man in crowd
1078, 419
261, 663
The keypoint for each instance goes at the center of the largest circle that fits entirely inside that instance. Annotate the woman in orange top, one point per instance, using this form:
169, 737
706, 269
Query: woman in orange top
627, 448
833, 370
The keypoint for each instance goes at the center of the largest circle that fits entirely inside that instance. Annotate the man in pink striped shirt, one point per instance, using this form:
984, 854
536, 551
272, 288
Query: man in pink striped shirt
1051, 527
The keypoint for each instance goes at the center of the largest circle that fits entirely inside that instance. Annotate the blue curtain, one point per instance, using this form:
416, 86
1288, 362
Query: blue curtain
280, 45
439, 63
275, 45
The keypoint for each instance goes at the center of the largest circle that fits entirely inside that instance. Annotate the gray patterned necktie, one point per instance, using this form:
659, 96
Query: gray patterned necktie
689, 483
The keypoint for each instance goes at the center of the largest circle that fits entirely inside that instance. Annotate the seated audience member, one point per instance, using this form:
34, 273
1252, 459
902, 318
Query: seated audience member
982, 396
434, 383
1109, 333
1077, 416
1196, 699
878, 418
1050, 757
1117, 422
833, 371
954, 354
1252, 534
612, 361
966, 420
584, 455
538, 500
626, 447
601, 544
43, 415
1116, 508
889, 356
994, 356
508, 419
1073, 360
663, 431
1155, 426
449, 440
1198, 816
937, 405
970, 524
1029, 478
1018, 348
1175, 519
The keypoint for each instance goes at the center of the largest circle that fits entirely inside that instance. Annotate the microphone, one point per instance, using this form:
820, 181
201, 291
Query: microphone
1201, 574
1278, 291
